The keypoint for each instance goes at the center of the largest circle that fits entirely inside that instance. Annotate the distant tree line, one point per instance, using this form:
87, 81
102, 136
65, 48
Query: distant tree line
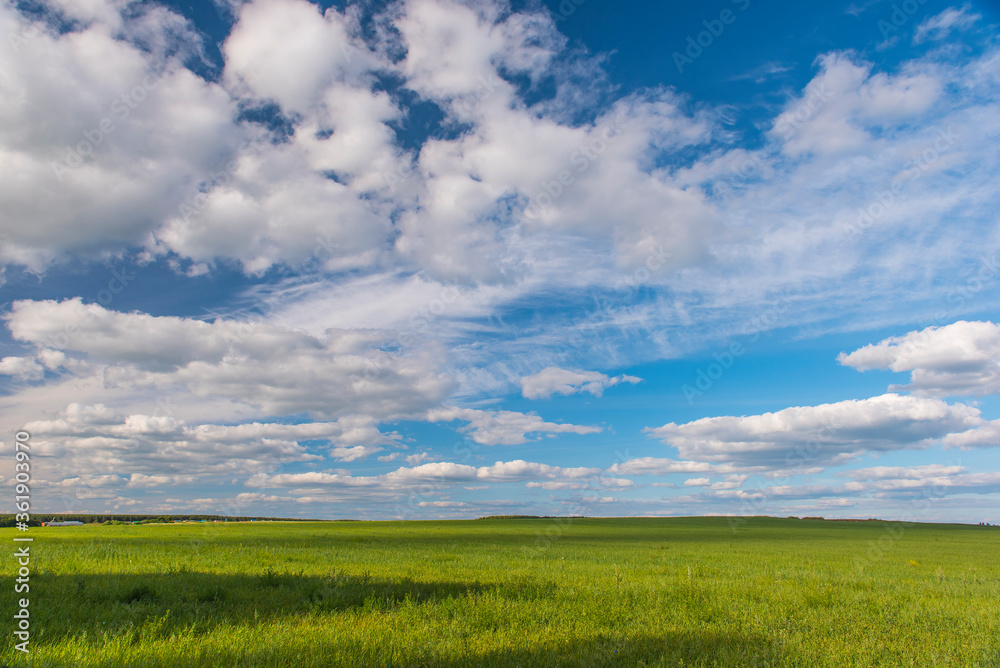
532, 517
8, 520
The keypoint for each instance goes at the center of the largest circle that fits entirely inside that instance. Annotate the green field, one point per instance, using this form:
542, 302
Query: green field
525, 592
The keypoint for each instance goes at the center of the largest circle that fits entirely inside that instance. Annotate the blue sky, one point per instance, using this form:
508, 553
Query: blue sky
427, 259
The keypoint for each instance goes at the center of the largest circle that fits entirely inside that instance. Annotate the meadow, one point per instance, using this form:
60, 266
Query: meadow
514, 592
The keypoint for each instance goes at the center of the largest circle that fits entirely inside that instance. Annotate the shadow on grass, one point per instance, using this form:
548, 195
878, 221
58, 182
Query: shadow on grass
129, 610
126, 604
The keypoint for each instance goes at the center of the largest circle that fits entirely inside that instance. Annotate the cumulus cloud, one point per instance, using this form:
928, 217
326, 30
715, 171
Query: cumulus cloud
815, 435
92, 153
844, 100
211, 187
342, 191
279, 370
89, 437
22, 368
272, 39
553, 380
962, 358
342, 375
985, 436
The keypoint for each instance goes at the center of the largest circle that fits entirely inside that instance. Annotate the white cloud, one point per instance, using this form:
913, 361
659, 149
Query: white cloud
354, 453
95, 437
142, 480
660, 466
941, 25
459, 202
985, 436
504, 427
958, 359
278, 370
443, 473
933, 486
844, 100
903, 472
290, 52
731, 482
212, 188
884, 483
591, 484
553, 380
98, 134
815, 435
894, 166
263, 218
591, 181
443, 504
471, 42
22, 368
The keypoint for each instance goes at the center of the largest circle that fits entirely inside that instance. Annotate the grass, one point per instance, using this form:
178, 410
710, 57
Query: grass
524, 592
